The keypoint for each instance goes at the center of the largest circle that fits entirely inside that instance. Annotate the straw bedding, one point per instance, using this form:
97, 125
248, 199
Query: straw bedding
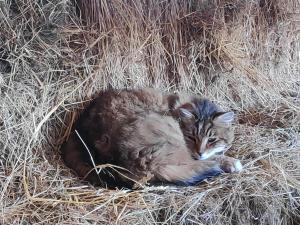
242, 54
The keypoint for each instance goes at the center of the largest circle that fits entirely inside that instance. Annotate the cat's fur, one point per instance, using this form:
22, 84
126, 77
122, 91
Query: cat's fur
159, 136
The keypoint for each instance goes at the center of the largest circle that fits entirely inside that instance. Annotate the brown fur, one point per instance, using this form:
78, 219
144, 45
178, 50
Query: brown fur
148, 133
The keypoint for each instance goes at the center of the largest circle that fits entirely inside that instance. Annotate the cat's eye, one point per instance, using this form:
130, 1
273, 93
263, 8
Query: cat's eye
211, 140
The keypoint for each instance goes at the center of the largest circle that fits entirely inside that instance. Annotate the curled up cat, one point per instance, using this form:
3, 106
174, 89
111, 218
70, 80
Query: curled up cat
150, 135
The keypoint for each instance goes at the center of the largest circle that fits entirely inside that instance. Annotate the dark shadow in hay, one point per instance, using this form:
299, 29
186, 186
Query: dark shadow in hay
180, 25
5, 66
270, 11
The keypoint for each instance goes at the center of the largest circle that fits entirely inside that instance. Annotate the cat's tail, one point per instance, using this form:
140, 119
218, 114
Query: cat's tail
195, 171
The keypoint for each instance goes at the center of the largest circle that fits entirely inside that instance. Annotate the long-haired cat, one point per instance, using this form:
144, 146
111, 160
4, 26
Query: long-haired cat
164, 137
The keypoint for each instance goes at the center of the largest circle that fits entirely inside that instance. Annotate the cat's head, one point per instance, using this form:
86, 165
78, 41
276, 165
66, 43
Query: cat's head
207, 131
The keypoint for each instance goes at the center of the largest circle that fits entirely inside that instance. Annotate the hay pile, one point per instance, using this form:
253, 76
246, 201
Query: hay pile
242, 54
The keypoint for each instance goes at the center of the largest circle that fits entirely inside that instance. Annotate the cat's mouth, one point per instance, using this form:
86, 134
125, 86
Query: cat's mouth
214, 151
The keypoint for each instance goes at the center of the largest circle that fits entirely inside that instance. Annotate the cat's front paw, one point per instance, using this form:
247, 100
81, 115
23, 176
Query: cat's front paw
231, 165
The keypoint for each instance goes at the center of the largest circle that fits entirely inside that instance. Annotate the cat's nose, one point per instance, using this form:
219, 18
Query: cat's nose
200, 155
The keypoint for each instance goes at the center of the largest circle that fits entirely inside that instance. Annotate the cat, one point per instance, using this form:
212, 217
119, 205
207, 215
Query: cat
148, 134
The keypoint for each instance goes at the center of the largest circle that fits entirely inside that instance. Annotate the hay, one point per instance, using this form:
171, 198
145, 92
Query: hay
242, 54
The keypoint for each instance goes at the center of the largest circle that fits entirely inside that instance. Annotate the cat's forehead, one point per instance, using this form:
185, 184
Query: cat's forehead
203, 126
207, 127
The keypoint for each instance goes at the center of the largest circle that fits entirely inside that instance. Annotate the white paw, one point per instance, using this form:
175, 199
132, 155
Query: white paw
231, 165
237, 166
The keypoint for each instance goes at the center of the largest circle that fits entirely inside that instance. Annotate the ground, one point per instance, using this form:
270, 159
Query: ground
244, 55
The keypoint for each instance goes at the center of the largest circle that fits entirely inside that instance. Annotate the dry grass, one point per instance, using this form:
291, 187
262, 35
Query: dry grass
242, 54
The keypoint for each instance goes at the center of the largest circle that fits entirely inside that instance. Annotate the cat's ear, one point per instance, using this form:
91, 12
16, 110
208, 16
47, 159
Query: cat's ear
184, 113
224, 118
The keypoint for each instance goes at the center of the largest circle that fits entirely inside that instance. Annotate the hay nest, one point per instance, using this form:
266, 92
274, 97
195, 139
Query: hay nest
242, 54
